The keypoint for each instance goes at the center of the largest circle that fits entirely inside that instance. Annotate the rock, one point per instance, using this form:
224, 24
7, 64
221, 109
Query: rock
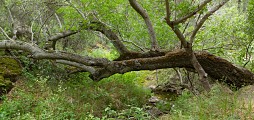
153, 99
152, 87
9, 69
5, 85
155, 112
169, 88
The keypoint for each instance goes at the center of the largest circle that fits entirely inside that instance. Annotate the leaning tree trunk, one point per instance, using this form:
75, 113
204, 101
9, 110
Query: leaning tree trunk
225, 71
216, 67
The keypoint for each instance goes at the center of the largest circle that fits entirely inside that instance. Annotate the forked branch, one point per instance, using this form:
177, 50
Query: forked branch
184, 18
204, 18
176, 30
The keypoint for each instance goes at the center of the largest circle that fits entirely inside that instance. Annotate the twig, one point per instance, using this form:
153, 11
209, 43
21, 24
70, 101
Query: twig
32, 34
179, 75
5, 34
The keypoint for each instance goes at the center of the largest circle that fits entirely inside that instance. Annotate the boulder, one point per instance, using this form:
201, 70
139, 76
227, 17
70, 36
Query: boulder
9, 70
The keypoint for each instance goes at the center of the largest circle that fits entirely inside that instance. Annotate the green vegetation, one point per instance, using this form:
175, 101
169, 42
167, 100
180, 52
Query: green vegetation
219, 104
9, 66
77, 98
93, 60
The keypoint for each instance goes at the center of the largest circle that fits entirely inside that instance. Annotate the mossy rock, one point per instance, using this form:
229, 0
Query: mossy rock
5, 85
9, 67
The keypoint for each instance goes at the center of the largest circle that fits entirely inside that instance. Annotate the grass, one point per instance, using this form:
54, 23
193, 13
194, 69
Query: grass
219, 104
76, 98
51, 95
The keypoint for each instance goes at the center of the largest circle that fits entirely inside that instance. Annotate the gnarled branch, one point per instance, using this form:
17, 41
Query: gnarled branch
168, 11
176, 30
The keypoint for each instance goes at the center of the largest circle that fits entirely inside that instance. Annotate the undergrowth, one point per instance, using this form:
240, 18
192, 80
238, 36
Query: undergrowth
219, 104
41, 95
117, 97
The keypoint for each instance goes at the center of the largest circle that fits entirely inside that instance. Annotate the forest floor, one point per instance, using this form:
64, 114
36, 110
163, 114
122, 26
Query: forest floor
32, 99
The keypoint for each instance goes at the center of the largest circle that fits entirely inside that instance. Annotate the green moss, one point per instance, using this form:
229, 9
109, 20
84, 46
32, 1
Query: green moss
5, 84
9, 67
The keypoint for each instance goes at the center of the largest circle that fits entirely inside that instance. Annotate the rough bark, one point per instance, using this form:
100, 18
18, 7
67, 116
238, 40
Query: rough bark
214, 66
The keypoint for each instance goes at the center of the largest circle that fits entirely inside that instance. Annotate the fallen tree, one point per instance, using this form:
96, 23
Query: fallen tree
216, 67
202, 62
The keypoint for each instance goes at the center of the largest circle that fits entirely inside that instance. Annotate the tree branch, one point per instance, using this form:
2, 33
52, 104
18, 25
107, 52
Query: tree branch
152, 63
202, 73
99, 26
143, 13
5, 34
178, 33
216, 67
38, 53
204, 18
200, 7
78, 65
62, 35
168, 11
176, 30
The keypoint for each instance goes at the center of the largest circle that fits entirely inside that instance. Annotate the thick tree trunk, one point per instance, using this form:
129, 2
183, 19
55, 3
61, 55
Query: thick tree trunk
225, 71
216, 67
